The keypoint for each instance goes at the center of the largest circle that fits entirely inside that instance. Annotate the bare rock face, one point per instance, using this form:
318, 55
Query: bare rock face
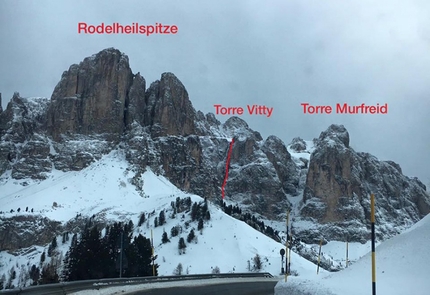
136, 105
288, 173
6, 148
15, 233
298, 144
99, 105
238, 128
261, 173
169, 110
91, 97
338, 188
23, 147
329, 175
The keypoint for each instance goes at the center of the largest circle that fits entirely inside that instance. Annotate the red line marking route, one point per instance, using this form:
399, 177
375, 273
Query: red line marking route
227, 164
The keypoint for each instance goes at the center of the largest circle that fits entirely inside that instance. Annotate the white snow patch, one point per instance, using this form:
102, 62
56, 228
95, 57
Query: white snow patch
402, 267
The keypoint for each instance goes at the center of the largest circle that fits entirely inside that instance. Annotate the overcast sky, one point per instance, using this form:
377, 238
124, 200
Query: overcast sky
274, 53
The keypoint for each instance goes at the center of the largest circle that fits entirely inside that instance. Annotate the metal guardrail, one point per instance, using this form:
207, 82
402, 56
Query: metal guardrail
75, 286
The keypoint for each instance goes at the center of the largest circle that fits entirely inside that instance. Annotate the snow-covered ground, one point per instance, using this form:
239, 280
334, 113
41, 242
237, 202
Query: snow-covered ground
402, 267
104, 189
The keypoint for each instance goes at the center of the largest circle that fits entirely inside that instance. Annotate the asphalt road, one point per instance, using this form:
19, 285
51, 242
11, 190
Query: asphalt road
248, 288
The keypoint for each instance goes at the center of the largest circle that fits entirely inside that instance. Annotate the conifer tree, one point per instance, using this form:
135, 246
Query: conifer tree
178, 203
164, 238
182, 246
52, 246
204, 208
12, 275
64, 276
42, 257
200, 225
34, 274
174, 231
191, 236
70, 261
2, 281
161, 218
111, 243
48, 275
130, 226
142, 219
178, 270
140, 258
85, 258
194, 211
95, 254
188, 202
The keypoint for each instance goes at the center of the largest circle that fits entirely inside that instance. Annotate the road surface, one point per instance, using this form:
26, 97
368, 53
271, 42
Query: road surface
246, 288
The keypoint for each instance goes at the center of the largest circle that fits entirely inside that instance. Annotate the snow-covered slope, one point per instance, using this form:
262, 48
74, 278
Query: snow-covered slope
104, 190
402, 267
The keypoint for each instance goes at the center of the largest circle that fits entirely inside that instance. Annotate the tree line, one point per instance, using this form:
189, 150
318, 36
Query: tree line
236, 212
96, 256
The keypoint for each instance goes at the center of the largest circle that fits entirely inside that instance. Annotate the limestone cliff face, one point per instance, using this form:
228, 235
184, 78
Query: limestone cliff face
169, 110
100, 105
136, 104
23, 148
338, 187
91, 97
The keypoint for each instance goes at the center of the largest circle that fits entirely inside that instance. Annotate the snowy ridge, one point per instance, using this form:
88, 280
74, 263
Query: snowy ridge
104, 190
402, 267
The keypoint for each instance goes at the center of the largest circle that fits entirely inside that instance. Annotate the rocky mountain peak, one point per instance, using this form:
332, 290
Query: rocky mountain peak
338, 185
212, 120
99, 105
91, 97
235, 123
336, 133
169, 109
237, 127
298, 144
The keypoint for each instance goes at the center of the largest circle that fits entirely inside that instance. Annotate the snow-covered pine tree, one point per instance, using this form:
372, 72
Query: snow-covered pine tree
52, 246
174, 231
191, 236
178, 270
181, 246
200, 225
161, 218
2, 281
194, 211
42, 257
142, 219
164, 238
